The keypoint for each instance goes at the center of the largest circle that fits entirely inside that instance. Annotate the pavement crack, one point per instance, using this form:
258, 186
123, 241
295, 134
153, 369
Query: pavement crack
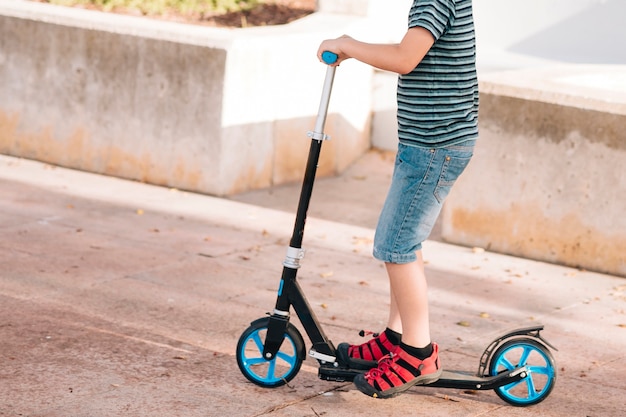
287, 404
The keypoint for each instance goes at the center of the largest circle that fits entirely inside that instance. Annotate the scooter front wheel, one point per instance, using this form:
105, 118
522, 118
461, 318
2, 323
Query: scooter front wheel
269, 373
540, 371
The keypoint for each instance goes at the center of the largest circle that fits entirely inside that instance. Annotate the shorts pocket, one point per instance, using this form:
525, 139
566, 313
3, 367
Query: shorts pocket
452, 168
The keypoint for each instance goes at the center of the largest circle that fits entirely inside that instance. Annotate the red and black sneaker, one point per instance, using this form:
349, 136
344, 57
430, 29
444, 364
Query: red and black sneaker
398, 372
365, 356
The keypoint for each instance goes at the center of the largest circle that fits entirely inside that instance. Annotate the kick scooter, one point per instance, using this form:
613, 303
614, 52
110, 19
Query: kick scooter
517, 365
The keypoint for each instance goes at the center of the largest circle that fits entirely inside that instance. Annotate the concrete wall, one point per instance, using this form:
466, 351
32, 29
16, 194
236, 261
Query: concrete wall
210, 110
547, 181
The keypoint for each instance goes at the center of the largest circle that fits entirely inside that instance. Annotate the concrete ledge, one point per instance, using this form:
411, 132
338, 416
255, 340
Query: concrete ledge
216, 111
547, 180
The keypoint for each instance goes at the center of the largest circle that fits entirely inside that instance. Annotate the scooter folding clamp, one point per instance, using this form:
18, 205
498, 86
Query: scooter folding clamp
317, 135
293, 257
281, 313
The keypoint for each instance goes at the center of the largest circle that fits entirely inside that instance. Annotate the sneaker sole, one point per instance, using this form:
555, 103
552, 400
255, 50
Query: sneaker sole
369, 390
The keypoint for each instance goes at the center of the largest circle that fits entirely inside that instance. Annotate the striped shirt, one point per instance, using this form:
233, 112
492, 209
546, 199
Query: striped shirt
438, 100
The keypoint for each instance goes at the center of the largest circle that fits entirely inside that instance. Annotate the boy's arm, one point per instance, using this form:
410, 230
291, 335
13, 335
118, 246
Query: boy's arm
401, 58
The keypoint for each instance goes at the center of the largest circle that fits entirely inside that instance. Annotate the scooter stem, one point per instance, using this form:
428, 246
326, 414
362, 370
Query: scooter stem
317, 136
318, 133
329, 58
289, 293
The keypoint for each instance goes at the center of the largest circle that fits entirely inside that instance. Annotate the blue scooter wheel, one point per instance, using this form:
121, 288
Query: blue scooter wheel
540, 371
269, 373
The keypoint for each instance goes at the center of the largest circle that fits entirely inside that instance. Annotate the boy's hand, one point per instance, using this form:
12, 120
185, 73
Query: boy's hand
335, 46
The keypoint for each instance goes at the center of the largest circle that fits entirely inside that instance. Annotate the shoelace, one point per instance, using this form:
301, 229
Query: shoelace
370, 342
383, 366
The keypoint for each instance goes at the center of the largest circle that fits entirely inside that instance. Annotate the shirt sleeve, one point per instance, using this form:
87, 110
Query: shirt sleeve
436, 16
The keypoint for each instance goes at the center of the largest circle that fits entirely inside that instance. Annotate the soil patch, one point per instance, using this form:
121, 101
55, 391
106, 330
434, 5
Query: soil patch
266, 13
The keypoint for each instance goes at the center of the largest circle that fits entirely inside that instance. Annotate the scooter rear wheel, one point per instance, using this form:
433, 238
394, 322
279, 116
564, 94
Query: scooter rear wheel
541, 371
269, 373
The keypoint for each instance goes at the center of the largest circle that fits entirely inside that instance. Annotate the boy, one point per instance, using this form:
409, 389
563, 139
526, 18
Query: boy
437, 128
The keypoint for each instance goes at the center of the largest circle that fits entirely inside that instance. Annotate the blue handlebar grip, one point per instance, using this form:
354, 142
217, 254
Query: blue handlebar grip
329, 57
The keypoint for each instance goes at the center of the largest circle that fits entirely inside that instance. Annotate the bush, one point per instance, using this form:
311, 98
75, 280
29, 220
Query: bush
161, 6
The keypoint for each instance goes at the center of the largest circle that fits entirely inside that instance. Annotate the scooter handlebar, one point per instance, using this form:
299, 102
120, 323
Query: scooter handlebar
329, 57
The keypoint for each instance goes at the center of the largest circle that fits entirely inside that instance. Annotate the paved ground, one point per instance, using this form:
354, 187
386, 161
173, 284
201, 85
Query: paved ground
123, 299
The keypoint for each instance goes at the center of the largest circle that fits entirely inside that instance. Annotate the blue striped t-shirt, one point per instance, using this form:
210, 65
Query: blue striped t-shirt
438, 100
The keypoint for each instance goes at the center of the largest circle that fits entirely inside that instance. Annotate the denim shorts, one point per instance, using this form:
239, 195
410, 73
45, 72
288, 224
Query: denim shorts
422, 179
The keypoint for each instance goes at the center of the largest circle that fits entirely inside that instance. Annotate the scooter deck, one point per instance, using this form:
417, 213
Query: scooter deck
448, 379
466, 380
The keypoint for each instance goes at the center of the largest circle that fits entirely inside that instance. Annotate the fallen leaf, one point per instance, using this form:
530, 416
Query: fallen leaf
326, 274
484, 315
323, 305
447, 397
463, 323
361, 240
139, 212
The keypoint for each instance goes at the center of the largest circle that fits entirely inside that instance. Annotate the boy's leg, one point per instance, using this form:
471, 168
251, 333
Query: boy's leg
366, 356
394, 322
415, 360
410, 309
421, 180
